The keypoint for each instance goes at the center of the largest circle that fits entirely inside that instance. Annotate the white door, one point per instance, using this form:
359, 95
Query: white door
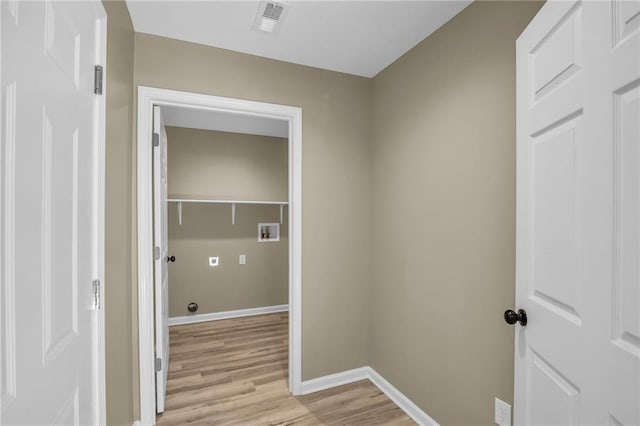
161, 242
577, 361
51, 177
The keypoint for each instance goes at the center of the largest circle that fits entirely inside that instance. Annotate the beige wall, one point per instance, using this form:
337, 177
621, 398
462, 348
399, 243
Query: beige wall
336, 179
118, 274
226, 166
443, 224
438, 152
207, 231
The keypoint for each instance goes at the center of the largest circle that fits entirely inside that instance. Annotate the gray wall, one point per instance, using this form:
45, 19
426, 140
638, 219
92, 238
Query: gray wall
226, 166
336, 182
119, 290
444, 215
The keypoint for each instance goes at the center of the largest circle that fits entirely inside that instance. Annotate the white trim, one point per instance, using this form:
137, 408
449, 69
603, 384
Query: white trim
214, 316
295, 250
137, 423
186, 200
408, 406
332, 380
145, 265
147, 97
357, 374
2, 191
100, 345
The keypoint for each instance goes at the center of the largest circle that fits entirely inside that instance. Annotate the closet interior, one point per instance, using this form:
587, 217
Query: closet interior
227, 221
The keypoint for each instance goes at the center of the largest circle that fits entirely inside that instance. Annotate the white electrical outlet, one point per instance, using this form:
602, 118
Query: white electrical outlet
213, 261
502, 413
242, 259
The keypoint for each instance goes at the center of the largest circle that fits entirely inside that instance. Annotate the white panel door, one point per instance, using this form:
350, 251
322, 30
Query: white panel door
577, 361
51, 207
617, 101
161, 242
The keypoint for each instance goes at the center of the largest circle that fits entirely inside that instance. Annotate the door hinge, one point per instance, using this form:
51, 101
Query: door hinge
158, 364
156, 139
96, 294
97, 80
156, 253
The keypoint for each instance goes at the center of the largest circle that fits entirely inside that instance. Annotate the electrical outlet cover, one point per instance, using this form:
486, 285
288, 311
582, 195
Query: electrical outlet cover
502, 413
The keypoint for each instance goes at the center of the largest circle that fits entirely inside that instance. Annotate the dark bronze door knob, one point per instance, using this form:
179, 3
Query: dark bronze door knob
512, 317
171, 258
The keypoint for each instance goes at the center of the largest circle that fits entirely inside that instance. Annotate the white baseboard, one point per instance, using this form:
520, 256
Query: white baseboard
190, 319
357, 374
137, 423
333, 380
412, 410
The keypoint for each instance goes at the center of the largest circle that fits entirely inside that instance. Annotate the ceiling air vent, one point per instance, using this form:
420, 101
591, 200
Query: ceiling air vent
273, 11
268, 16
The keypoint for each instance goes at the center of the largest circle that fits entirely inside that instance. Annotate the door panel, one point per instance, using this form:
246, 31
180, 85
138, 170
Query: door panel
558, 55
626, 18
577, 361
621, 349
626, 319
50, 248
59, 241
550, 165
555, 221
161, 231
554, 400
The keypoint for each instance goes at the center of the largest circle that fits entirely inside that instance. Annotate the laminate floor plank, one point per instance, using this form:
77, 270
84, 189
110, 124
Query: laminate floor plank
235, 372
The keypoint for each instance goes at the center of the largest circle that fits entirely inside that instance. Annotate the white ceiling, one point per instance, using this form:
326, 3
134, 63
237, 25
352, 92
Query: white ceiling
354, 37
224, 121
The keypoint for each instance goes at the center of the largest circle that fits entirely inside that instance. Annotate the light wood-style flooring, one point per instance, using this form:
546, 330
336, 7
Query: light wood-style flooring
234, 372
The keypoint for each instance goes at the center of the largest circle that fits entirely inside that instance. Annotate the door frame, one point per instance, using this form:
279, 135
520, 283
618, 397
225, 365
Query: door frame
100, 333
147, 98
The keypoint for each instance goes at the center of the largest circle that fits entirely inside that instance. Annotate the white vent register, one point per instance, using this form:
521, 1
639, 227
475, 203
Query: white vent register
269, 16
273, 11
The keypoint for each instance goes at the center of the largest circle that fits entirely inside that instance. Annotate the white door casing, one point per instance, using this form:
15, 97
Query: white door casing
161, 242
147, 98
577, 361
52, 176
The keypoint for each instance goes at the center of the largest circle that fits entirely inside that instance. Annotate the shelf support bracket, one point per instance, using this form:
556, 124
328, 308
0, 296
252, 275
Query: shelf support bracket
180, 213
233, 213
281, 211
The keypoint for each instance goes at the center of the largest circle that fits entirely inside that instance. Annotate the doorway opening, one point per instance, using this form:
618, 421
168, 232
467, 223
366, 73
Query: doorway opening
198, 106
